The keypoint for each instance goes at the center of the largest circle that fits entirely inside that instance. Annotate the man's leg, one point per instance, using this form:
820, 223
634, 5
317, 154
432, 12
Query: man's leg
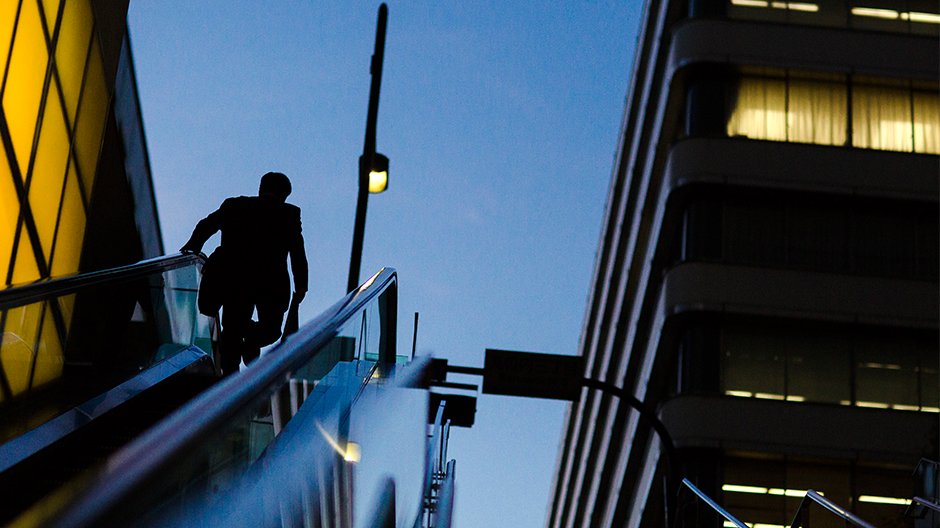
268, 328
236, 324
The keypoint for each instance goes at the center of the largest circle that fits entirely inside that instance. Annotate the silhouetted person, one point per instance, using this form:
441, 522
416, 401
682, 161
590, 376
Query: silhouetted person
258, 233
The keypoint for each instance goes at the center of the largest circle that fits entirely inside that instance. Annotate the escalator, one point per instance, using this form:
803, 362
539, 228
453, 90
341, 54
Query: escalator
88, 363
329, 428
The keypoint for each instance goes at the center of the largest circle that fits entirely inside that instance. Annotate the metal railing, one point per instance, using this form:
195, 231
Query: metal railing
22, 294
801, 519
712, 504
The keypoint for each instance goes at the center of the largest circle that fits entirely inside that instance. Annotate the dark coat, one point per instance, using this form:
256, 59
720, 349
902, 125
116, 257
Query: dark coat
258, 234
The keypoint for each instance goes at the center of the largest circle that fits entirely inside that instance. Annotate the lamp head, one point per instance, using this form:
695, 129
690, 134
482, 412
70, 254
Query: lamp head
378, 173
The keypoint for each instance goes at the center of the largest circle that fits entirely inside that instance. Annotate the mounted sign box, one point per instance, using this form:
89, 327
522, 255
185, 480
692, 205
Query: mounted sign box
533, 375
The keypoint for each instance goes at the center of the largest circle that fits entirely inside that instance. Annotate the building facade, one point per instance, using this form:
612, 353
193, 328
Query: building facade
75, 186
767, 277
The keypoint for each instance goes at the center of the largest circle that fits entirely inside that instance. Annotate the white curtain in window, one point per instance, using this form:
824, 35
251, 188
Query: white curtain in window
816, 112
881, 118
926, 122
759, 112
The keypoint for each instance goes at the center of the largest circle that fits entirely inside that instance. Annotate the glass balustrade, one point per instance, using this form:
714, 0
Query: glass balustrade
70, 339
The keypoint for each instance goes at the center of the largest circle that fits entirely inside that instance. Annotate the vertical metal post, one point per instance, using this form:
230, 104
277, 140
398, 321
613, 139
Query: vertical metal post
368, 150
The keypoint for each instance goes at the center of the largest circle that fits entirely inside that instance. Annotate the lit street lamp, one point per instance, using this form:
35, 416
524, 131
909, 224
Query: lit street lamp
373, 167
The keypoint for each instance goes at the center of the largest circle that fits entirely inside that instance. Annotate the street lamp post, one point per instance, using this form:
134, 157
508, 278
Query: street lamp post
373, 167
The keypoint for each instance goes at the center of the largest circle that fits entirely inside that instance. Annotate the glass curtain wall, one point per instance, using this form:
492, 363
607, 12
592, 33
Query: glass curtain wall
55, 100
864, 369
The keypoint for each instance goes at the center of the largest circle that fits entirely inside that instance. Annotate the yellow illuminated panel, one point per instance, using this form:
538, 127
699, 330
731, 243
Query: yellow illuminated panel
7, 18
50, 9
9, 210
90, 120
23, 89
71, 50
49, 358
71, 231
19, 338
45, 186
67, 308
25, 268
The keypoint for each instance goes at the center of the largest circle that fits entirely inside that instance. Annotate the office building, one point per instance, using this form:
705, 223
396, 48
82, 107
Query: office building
767, 277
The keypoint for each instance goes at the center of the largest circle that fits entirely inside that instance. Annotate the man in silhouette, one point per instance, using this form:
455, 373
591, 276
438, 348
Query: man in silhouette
258, 234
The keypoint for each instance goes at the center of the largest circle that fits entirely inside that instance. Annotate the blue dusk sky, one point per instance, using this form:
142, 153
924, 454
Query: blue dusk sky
500, 120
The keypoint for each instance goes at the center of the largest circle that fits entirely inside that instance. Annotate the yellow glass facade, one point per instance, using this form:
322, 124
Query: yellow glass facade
55, 101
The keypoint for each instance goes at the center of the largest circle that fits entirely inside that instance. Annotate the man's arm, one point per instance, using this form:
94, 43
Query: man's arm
206, 227
298, 262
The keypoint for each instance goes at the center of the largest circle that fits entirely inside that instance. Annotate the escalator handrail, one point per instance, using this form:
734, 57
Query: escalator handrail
713, 505
812, 496
147, 457
20, 295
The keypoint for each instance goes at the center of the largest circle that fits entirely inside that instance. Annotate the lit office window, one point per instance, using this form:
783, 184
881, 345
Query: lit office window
881, 118
766, 492
760, 109
796, 110
798, 364
886, 114
926, 122
816, 112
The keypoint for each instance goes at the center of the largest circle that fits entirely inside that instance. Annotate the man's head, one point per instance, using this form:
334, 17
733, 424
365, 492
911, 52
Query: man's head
275, 184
